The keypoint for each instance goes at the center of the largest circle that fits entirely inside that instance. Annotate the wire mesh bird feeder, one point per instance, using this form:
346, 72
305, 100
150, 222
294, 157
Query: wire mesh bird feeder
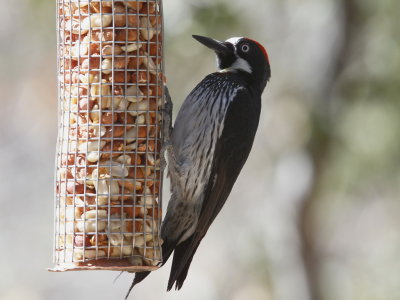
111, 99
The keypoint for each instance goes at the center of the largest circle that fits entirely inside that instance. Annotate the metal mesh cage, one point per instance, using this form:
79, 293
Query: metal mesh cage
108, 175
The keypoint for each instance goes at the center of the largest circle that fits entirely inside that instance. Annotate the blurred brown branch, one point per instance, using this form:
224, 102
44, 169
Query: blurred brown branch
322, 140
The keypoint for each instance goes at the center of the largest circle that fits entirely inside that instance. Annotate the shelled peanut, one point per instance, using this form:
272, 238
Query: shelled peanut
108, 162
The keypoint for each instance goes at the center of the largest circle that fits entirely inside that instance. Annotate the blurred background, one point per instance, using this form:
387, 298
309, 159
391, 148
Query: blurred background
315, 213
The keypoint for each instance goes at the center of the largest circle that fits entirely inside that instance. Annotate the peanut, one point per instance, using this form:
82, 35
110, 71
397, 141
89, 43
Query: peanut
119, 18
135, 5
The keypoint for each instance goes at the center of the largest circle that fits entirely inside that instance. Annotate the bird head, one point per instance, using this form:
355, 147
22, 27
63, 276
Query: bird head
240, 54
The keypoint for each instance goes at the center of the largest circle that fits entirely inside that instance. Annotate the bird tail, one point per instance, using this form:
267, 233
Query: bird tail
183, 256
138, 278
167, 249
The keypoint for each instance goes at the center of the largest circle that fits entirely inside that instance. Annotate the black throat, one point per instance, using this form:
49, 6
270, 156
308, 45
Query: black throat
243, 79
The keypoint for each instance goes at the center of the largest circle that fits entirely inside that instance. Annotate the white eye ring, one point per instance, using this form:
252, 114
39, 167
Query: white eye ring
245, 48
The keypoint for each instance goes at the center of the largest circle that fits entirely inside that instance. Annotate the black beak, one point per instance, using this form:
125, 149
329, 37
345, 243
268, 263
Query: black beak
217, 46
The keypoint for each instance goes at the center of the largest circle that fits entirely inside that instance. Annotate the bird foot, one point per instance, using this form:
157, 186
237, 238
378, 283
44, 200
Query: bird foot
167, 126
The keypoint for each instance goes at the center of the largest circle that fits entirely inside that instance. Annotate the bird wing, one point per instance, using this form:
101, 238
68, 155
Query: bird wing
192, 117
231, 152
190, 136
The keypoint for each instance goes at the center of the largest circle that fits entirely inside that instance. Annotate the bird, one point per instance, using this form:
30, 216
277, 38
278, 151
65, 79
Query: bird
210, 142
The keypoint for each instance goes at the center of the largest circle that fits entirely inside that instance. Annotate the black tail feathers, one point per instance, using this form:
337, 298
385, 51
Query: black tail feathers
183, 256
138, 278
167, 249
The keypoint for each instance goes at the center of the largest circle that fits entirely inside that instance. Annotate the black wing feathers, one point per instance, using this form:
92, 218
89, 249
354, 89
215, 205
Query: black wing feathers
231, 152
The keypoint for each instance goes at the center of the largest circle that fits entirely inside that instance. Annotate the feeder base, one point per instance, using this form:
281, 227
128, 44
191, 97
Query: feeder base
102, 264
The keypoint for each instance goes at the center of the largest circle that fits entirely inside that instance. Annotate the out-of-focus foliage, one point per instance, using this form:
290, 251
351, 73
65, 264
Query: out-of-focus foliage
315, 212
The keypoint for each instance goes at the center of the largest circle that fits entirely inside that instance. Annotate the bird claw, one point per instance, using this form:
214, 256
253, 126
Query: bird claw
167, 110
167, 126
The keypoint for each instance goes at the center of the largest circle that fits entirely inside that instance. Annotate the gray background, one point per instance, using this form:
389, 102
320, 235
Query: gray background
314, 214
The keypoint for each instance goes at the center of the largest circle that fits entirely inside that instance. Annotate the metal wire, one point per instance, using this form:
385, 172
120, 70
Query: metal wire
108, 175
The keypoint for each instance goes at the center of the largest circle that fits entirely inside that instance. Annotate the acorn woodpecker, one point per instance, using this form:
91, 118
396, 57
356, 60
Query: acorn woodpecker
209, 144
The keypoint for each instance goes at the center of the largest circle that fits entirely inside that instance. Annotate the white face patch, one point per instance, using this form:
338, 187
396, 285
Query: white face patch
234, 40
240, 64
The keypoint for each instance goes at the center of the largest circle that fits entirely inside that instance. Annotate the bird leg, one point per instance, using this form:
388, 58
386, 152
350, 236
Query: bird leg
167, 126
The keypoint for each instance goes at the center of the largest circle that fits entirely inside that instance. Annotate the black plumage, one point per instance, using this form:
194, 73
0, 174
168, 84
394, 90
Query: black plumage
211, 140
231, 152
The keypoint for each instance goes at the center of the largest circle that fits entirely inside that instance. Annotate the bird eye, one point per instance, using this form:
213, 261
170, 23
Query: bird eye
245, 48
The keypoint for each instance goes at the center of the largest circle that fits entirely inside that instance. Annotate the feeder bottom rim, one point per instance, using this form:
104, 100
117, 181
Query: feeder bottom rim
102, 264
